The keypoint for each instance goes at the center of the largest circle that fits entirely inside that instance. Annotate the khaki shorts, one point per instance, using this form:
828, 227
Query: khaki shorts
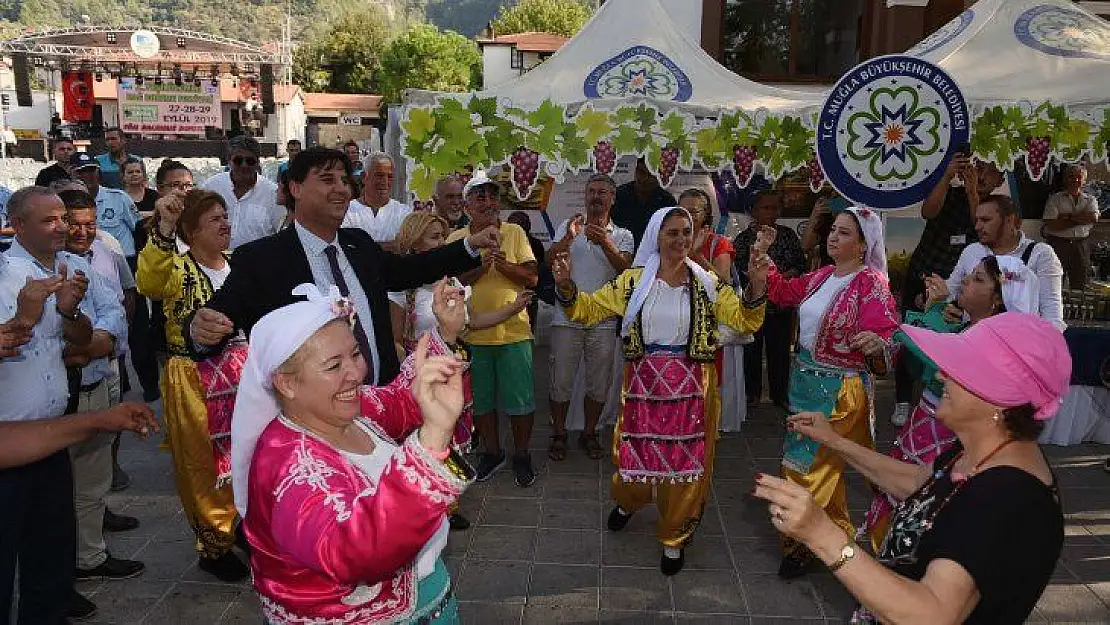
568, 347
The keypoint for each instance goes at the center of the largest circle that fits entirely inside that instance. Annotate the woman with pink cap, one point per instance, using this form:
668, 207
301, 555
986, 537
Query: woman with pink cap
998, 284
977, 533
846, 319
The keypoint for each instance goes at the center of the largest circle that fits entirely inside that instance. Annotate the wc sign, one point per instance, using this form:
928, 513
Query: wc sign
350, 120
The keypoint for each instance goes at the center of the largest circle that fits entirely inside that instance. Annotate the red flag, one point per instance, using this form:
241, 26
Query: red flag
77, 96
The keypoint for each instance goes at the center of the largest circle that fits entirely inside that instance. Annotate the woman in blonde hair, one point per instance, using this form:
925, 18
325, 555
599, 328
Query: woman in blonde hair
198, 396
412, 315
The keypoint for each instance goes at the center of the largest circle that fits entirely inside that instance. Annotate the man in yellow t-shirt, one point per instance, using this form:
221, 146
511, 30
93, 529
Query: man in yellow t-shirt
501, 356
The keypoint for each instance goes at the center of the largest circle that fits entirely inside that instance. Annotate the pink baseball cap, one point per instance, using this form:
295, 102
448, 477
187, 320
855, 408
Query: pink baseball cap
1009, 360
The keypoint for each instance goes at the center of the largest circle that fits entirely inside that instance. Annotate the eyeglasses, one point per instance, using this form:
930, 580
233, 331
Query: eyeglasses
239, 161
178, 186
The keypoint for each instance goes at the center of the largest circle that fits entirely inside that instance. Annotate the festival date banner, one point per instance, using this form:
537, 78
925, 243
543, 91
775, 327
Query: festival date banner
168, 108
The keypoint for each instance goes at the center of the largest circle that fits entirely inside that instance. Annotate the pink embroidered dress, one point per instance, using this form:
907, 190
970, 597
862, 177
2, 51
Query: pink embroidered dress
332, 544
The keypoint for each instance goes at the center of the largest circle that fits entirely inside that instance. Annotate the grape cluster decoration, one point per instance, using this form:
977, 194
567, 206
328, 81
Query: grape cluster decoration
460, 133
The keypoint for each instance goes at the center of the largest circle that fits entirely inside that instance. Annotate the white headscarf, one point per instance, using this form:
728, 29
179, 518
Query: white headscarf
275, 338
1020, 291
871, 224
647, 256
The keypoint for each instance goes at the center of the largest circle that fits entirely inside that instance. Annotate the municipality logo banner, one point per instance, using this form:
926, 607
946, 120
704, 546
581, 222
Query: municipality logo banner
888, 130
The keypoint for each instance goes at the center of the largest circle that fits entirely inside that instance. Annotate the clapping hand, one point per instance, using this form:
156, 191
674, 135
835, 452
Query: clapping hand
560, 269
13, 334
31, 300
71, 290
575, 225
438, 390
487, 239
597, 234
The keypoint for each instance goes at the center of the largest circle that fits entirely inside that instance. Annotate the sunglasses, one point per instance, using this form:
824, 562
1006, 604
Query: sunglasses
178, 186
239, 161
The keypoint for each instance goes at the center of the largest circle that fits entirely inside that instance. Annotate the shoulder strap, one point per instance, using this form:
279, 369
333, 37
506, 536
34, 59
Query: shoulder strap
1028, 253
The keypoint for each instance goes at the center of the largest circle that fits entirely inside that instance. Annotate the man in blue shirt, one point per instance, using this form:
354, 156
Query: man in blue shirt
111, 163
41, 287
292, 149
116, 212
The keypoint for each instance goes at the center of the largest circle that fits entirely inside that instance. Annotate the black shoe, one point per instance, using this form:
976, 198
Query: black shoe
796, 565
617, 519
227, 568
488, 464
458, 522
120, 480
1106, 467
80, 608
670, 566
112, 568
241, 539
522, 470
119, 523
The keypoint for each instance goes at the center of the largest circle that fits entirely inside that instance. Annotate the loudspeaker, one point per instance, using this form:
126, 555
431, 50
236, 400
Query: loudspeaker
22, 71
236, 125
97, 117
267, 76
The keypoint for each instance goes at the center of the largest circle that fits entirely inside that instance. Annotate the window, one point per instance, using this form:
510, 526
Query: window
517, 58
792, 40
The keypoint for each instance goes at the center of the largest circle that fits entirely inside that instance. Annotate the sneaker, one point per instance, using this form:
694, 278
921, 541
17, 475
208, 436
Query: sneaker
901, 414
488, 464
80, 608
120, 480
119, 523
458, 522
522, 470
112, 568
226, 568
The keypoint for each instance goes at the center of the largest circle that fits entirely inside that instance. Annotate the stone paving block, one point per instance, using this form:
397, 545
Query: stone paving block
487, 613
1088, 562
510, 512
243, 611
723, 619
571, 515
756, 555
1072, 603
503, 543
708, 552
643, 590
767, 595
558, 585
188, 603
630, 549
560, 487
484, 580
628, 617
545, 614
569, 546
708, 591
167, 560
129, 600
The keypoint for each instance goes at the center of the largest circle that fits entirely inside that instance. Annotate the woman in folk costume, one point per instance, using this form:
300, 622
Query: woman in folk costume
344, 488
846, 319
412, 316
665, 438
198, 397
998, 284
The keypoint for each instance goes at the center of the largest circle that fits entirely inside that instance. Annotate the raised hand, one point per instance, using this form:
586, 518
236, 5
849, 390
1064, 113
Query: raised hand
449, 307
597, 234
209, 327
575, 225
438, 389
699, 240
560, 269
936, 290
31, 300
71, 290
759, 265
488, 239
765, 238
168, 208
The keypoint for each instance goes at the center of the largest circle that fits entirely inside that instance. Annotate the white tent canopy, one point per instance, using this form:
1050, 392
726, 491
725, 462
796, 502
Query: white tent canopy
1002, 51
620, 27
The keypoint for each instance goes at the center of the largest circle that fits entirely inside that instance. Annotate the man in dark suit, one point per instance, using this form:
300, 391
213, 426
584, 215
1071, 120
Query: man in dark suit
315, 249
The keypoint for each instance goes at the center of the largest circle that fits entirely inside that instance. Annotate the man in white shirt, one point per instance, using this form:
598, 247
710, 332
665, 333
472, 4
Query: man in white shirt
251, 199
996, 223
1068, 218
376, 212
599, 250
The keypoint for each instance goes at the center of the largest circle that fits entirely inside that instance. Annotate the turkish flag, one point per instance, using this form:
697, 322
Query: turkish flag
77, 96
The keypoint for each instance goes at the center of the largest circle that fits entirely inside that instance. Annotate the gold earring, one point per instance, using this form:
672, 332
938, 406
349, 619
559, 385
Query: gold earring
997, 416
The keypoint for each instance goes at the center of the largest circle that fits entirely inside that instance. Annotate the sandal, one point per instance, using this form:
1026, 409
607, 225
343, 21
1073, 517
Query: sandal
592, 446
557, 450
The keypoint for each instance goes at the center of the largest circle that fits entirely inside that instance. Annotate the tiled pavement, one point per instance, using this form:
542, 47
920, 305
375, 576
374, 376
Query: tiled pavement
542, 555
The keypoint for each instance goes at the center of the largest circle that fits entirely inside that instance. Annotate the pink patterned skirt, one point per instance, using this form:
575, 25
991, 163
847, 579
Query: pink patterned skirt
662, 430
920, 440
219, 375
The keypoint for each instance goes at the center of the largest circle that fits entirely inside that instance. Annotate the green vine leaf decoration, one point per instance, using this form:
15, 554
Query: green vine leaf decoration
593, 125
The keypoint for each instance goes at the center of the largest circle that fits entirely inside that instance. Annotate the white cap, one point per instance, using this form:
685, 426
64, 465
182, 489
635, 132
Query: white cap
477, 180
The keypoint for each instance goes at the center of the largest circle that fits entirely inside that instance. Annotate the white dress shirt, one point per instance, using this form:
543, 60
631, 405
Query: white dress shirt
384, 225
1043, 262
1063, 203
253, 216
321, 274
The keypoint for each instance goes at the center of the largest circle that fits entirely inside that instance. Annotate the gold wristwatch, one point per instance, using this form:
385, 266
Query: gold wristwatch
846, 553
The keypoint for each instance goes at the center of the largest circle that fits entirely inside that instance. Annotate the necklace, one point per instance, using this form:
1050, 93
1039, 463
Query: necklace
958, 481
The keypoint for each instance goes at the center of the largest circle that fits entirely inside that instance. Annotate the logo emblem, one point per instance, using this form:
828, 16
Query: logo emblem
1062, 31
943, 35
145, 44
639, 71
888, 129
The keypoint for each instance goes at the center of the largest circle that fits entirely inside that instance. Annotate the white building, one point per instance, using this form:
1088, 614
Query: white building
508, 56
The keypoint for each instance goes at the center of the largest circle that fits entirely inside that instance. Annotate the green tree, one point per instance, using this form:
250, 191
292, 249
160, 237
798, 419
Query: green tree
423, 57
561, 17
346, 57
